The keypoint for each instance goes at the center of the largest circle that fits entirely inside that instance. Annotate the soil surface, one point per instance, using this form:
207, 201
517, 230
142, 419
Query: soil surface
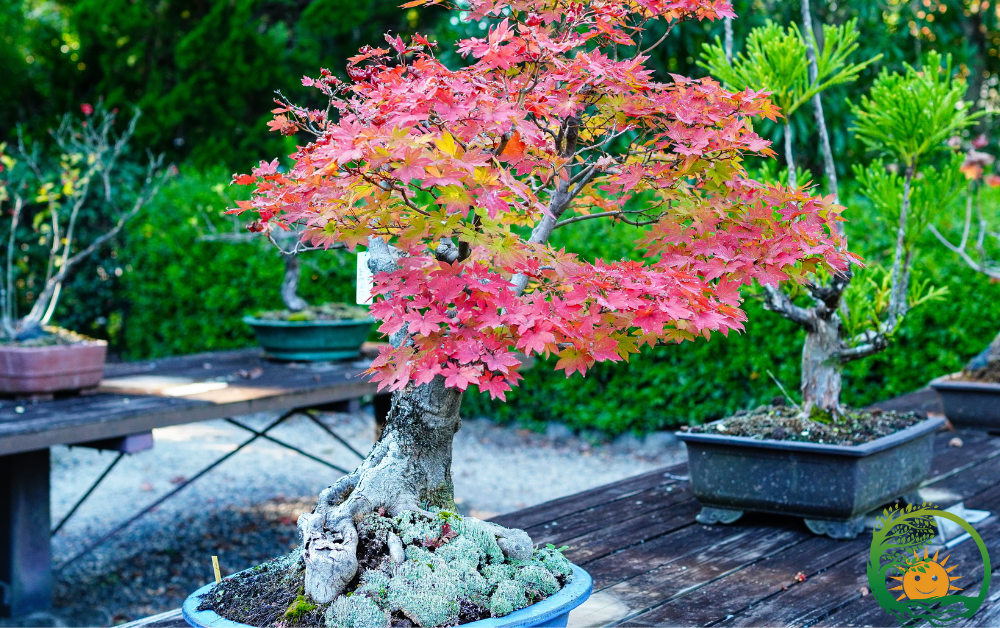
52, 337
784, 423
988, 375
325, 312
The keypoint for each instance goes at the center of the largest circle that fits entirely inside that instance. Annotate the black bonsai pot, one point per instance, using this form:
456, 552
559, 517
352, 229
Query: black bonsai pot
967, 403
831, 486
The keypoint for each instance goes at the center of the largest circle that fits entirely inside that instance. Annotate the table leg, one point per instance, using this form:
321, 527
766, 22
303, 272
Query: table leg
25, 522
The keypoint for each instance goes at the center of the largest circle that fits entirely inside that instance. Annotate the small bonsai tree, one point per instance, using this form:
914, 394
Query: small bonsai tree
977, 167
455, 179
48, 198
290, 246
907, 117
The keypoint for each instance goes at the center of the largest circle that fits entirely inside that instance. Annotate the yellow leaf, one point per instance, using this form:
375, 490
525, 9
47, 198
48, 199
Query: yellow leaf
447, 144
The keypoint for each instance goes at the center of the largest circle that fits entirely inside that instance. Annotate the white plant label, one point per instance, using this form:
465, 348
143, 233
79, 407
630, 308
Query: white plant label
365, 282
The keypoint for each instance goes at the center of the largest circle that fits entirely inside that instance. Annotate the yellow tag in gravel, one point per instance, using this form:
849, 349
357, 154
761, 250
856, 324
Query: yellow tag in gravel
215, 565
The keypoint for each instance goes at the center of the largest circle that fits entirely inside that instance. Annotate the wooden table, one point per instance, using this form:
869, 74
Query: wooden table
653, 565
135, 398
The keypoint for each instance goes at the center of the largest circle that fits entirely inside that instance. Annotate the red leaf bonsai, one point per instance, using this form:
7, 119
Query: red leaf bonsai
454, 180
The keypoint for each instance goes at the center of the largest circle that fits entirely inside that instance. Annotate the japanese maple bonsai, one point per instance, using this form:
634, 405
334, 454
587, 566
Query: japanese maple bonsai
46, 197
858, 459
972, 396
454, 180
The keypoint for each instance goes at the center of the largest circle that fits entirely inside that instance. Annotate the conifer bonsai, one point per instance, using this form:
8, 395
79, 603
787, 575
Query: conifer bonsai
454, 181
906, 119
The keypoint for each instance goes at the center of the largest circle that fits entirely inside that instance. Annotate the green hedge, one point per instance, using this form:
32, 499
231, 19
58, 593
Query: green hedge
186, 294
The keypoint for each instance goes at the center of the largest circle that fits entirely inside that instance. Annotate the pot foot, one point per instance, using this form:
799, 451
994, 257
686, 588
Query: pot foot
837, 529
711, 516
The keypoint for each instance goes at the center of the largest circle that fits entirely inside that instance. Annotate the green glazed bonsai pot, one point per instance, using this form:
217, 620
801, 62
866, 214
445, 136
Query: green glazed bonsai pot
311, 341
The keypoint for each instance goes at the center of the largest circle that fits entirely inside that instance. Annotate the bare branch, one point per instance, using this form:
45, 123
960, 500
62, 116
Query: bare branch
777, 301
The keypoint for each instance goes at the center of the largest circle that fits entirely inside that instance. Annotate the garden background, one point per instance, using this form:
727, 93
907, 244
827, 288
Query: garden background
203, 74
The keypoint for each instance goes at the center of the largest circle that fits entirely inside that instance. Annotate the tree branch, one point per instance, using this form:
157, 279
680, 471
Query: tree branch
777, 301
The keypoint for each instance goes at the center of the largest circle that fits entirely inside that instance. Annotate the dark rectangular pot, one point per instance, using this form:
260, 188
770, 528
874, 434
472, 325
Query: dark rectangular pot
969, 404
810, 480
34, 370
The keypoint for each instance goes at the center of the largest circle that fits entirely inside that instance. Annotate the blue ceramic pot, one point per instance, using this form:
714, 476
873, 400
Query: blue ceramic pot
552, 611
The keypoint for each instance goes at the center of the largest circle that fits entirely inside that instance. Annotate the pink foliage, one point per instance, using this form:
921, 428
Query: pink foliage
551, 119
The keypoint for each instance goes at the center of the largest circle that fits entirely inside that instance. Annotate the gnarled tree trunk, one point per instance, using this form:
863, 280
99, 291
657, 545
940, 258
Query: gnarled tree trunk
822, 368
409, 468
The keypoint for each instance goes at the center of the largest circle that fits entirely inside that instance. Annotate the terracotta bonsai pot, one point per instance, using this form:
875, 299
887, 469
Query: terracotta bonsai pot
32, 370
969, 404
832, 487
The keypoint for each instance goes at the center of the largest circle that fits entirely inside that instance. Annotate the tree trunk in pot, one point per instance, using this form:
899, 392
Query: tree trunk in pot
821, 367
408, 469
290, 284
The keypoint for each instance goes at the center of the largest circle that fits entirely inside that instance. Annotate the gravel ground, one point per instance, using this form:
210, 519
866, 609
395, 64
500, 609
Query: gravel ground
244, 511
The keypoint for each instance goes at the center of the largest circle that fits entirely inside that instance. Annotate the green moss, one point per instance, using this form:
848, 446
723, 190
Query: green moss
299, 607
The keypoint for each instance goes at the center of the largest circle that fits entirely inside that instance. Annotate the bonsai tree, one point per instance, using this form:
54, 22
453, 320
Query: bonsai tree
454, 181
977, 167
290, 246
906, 118
47, 198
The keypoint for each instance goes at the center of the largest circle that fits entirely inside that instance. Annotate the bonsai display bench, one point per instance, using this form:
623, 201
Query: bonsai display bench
135, 398
654, 565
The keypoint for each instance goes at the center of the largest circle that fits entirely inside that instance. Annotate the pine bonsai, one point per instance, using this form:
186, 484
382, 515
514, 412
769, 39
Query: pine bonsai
906, 119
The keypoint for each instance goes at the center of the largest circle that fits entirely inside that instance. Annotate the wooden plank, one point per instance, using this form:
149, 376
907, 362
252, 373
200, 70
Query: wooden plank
635, 531
836, 593
98, 416
923, 400
599, 517
977, 445
855, 609
170, 619
769, 576
552, 510
698, 568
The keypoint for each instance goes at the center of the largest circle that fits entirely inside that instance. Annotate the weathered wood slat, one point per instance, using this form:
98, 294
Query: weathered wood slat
769, 576
552, 510
688, 573
600, 517
637, 531
837, 592
254, 385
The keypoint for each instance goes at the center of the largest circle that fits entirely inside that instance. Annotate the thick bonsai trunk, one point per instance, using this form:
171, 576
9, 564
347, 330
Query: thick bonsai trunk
821, 366
408, 469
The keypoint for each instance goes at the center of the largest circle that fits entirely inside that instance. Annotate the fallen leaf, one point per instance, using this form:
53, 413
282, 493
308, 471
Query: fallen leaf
864, 591
801, 577
955, 442
146, 486
177, 479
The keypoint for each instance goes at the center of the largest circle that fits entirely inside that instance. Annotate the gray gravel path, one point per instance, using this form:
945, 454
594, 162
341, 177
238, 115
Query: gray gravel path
244, 510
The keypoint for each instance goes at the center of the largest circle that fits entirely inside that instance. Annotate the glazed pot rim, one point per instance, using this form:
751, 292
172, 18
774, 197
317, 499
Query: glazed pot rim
952, 382
263, 322
882, 443
560, 602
